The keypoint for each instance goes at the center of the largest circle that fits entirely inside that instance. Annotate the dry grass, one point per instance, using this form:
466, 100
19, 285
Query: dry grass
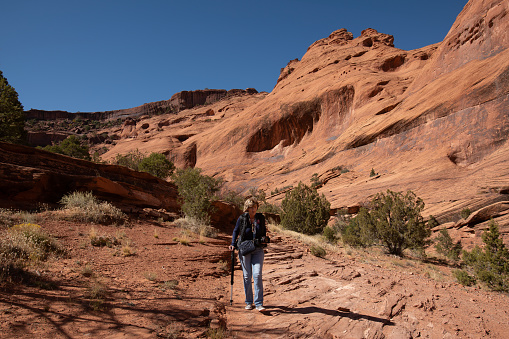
196, 227
23, 246
84, 207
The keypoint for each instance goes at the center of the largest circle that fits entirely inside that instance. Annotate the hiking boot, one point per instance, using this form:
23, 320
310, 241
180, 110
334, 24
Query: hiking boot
249, 307
260, 308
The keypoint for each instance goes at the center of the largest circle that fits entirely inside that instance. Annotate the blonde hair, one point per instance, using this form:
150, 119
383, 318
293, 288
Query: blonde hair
250, 202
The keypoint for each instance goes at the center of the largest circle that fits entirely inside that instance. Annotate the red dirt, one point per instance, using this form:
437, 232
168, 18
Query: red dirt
349, 294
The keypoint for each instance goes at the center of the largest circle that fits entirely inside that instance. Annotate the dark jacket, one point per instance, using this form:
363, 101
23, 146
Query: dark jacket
259, 223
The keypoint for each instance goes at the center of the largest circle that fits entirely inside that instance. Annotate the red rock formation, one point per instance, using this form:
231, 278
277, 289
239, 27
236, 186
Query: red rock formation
29, 176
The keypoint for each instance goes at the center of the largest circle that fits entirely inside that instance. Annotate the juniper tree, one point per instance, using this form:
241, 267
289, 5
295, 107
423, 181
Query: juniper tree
12, 116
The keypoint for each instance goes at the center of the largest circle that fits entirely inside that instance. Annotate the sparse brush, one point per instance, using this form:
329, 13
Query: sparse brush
169, 285
196, 226
447, 247
216, 333
84, 207
464, 278
97, 290
87, 271
10, 217
23, 245
318, 251
127, 249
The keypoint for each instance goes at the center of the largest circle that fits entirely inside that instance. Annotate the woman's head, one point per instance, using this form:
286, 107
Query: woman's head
250, 205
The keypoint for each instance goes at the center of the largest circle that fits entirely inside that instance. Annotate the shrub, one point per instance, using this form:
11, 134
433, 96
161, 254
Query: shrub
465, 213
359, 231
446, 247
84, 207
318, 251
196, 191
329, 234
304, 210
269, 208
196, 226
130, 160
490, 264
315, 181
372, 173
72, 146
157, 165
23, 245
463, 277
394, 220
233, 198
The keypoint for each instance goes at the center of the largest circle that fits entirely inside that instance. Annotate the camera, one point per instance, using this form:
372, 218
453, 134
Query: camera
262, 242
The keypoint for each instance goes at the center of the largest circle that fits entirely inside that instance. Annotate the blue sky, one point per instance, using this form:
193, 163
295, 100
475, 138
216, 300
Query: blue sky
103, 55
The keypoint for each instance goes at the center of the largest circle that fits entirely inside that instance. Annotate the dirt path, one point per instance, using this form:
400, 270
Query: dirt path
338, 297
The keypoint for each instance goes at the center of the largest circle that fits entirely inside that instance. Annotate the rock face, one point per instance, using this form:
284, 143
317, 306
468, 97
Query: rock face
189, 99
30, 176
178, 102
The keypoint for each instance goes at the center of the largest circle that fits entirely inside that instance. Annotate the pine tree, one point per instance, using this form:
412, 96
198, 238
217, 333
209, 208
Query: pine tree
491, 263
12, 116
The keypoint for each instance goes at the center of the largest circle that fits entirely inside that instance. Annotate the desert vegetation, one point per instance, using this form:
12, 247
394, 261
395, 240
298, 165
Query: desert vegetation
12, 116
197, 191
392, 219
304, 210
73, 146
24, 246
155, 163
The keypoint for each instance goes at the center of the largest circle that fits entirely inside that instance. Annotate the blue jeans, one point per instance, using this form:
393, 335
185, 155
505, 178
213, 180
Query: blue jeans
252, 265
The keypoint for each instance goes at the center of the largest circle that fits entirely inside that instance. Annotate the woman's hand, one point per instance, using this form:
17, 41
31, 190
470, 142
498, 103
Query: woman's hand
231, 248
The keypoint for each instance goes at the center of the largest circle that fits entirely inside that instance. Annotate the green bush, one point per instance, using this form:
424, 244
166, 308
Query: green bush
329, 234
304, 210
196, 191
372, 173
394, 220
465, 213
318, 251
446, 247
491, 263
269, 208
157, 165
72, 146
258, 195
359, 232
463, 277
315, 181
130, 160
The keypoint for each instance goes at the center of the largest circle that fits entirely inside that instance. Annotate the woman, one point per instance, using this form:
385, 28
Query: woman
251, 263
